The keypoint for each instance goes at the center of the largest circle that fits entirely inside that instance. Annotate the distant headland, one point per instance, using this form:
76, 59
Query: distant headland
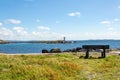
40, 41
3, 42
53, 41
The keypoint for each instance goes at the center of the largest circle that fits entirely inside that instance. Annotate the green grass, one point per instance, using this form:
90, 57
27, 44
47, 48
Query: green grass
59, 67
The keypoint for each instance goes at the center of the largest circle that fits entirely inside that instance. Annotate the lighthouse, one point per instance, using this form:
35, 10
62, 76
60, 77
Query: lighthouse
63, 39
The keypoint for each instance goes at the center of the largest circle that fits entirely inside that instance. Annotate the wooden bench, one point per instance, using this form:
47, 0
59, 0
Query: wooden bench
88, 47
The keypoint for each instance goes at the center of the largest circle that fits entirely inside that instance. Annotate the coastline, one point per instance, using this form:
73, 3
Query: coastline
25, 48
113, 52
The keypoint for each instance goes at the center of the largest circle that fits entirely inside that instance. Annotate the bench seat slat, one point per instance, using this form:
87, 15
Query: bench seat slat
95, 46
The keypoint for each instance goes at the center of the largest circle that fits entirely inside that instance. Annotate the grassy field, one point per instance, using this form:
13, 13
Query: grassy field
59, 67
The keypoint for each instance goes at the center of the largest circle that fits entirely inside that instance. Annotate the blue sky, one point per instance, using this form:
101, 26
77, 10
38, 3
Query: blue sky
54, 19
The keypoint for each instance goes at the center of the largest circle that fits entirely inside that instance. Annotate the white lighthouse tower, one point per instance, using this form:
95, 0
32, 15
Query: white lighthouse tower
63, 39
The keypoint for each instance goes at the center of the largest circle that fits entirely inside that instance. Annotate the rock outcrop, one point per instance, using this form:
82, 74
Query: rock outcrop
55, 50
45, 51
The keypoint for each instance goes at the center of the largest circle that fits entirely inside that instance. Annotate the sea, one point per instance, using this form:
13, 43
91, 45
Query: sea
33, 48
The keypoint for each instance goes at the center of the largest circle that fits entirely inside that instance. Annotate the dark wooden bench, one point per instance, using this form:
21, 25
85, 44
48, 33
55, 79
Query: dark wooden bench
88, 47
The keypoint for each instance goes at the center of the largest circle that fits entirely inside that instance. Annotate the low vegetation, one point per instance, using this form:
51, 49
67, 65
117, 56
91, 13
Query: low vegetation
59, 67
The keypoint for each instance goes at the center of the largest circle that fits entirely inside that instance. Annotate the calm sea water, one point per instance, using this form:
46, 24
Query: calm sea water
37, 47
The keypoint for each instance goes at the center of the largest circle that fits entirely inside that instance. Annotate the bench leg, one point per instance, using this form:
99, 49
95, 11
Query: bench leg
87, 54
104, 55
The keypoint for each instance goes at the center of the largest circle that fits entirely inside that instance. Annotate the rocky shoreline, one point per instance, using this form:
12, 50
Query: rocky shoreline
69, 51
79, 49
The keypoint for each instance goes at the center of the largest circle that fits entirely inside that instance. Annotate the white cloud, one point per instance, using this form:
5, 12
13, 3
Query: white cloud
1, 24
41, 35
113, 34
5, 32
112, 22
43, 28
105, 22
48, 35
73, 14
110, 34
90, 34
20, 31
13, 21
116, 19
110, 28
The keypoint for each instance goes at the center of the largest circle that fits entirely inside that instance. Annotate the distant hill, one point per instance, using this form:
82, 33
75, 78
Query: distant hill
3, 42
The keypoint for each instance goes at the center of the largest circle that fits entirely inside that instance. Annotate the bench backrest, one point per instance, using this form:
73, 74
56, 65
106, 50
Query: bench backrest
95, 46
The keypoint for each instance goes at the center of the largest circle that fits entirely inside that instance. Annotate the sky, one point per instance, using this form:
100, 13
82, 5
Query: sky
55, 19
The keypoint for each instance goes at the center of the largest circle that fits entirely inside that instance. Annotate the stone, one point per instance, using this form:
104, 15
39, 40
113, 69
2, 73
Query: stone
45, 51
55, 50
